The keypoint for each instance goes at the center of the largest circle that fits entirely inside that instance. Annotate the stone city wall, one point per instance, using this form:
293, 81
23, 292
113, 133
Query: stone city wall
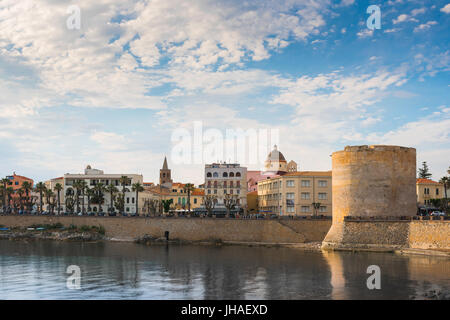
191, 229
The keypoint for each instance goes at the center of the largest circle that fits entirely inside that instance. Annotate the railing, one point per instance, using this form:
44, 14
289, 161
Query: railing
396, 218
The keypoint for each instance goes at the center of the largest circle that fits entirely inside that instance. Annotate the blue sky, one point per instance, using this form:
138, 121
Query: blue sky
112, 93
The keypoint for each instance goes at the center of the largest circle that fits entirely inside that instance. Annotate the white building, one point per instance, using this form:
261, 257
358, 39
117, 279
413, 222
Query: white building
94, 176
226, 178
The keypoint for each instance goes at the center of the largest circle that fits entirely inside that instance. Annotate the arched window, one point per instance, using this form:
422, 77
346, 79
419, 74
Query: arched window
164, 175
225, 175
209, 184
231, 174
215, 184
208, 175
238, 174
215, 175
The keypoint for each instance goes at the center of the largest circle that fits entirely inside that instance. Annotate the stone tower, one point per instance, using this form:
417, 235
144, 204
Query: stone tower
165, 178
370, 181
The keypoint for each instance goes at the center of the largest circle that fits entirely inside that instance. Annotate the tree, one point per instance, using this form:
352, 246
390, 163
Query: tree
137, 187
229, 202
111, 190
124, 181
151, 205
70, 202
77, 186
9, 192
89, 194
83, 187
5, 182
27, 187
209, 201
40, 187
166, 204
58, 187
98, 198
49, 195
424, 172
189, 187
20, 192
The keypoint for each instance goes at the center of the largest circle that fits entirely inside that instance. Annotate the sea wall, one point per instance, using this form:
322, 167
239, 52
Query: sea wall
433, 234
191, 229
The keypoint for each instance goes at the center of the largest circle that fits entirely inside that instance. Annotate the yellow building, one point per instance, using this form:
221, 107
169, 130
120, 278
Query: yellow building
300, 193
252, 202
428, 189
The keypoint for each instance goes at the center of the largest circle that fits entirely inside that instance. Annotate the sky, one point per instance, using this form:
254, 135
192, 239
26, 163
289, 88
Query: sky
115, 92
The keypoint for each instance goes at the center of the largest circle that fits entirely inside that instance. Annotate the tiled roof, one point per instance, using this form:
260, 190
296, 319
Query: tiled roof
426, 181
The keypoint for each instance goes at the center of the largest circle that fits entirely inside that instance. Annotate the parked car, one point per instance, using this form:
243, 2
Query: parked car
438, 214
101, 214
91, 213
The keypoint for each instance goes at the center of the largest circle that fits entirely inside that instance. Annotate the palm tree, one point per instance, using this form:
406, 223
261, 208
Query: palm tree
137, 187
111, 189
83, 186
27, 187
124, 181
49, 195
77, 186
40, 187
20, 192
58, 187
89, 194
9, 192
189, 187
5, 182
98, 189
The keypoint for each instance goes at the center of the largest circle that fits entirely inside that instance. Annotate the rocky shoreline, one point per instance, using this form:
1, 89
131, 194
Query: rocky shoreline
53, 232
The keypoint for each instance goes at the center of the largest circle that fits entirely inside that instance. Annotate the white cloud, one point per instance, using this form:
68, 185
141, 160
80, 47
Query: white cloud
446, 8
424, 26
365, 33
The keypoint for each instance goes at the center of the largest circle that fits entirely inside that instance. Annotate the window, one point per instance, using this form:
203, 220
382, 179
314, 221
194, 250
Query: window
290, 183
215, 175
305, 208
215, 191
437, 191
238, 174
275, 184
132, 200
128, 209
209, 184
209, 191
16, 183
231, 174
195, 199
322, 183
224, 184
238, 184
322, 209
305, 196
231, 191
306, 183
322, 196
238, 191
225, 175
290, 209
209, 175
290, 195
231, 184
128, 200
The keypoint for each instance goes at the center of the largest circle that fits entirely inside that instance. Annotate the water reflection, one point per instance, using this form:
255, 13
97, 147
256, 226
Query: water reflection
36, 270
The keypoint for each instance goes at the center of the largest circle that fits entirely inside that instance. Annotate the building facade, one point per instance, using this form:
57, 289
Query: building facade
300, 193
226, 179
428, 189
92, 177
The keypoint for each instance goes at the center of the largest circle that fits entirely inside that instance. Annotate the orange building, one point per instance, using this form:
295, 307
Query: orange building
16, 181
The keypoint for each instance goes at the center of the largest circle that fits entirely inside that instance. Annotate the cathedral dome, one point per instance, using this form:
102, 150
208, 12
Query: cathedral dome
275, 155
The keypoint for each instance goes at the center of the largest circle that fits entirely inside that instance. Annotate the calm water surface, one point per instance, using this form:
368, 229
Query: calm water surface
37, 270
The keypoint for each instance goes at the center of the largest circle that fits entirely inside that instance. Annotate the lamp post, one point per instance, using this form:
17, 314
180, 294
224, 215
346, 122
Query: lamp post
316, 206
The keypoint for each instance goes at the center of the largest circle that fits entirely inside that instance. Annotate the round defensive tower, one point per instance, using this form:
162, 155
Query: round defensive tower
371, 181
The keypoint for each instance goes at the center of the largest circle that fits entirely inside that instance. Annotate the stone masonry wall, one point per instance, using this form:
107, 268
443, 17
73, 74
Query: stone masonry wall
191, 229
